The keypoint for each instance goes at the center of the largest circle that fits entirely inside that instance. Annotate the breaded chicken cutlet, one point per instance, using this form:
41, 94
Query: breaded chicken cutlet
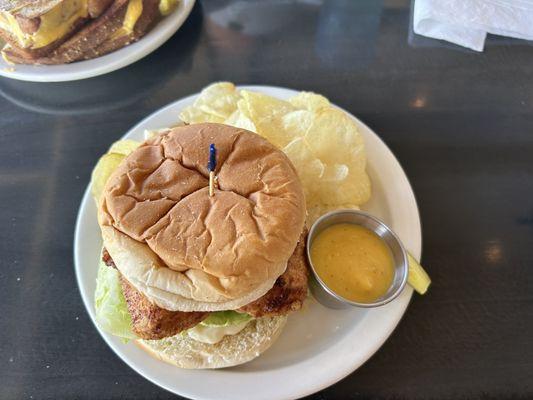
149, 321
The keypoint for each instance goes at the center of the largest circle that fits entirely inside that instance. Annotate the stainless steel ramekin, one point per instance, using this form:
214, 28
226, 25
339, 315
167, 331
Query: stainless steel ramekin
327, 296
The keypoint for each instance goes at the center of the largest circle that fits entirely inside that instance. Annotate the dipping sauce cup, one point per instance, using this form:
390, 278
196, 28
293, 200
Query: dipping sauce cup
325, 295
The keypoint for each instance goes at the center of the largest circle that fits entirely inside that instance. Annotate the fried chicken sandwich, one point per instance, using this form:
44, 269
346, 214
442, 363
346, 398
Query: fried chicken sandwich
201, 281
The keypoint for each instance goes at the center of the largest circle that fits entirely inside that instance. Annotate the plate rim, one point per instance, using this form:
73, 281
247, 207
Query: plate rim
105, 64
347, 371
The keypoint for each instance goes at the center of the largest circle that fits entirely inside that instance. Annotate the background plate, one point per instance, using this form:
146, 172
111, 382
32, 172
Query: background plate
108, 63
318, 346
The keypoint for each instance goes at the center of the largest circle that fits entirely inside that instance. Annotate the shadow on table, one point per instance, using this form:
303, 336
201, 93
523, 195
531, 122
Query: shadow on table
116, 89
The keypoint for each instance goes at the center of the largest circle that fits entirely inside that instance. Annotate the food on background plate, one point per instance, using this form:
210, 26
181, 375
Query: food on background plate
200, 281
207, 282
65, 31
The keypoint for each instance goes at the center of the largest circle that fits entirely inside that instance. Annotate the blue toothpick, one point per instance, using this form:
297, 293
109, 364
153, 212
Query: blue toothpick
211, 166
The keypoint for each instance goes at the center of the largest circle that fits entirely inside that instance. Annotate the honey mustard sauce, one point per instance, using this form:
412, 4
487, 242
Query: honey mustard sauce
353, 262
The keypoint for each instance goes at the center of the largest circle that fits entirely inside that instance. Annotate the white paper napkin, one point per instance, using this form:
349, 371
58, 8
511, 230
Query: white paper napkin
467, 22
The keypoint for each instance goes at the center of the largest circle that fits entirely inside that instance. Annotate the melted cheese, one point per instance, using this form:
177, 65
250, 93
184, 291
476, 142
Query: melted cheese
55, 24
133, 13
167, 6
58, 21
214, 334
9, 23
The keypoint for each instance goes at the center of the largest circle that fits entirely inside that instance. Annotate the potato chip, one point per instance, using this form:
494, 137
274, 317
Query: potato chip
267, 113
355, 188
102, 171
333, 136
300, 155
357, 157
335, 172
193, 115
239, 120
309, 101
219, 99
310, 169
124, 147
296, 123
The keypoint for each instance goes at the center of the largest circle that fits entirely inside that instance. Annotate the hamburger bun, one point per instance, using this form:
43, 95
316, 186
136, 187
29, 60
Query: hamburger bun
185, 250
184, 352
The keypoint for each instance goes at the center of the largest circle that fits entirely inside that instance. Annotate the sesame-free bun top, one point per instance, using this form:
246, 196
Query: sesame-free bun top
186, 250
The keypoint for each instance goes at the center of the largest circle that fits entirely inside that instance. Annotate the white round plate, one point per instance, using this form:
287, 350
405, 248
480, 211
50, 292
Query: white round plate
318, 346
108, 63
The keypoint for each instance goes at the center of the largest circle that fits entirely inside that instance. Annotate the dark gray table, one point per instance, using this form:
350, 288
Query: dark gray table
461, 124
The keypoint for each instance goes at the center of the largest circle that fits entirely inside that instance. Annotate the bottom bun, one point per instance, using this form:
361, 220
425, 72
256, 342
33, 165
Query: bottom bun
185, 352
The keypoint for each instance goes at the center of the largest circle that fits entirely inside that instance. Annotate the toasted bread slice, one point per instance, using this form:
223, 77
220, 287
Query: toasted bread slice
32, 9
28, 8
28, 20
27, 55
28, 25
99, 37
90, 36
147, 20
97, 7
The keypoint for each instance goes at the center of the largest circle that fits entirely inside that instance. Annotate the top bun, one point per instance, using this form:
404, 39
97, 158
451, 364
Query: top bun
191, 252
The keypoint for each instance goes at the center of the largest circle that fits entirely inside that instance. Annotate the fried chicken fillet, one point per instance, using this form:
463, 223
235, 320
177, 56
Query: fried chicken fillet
289, 291
150, 321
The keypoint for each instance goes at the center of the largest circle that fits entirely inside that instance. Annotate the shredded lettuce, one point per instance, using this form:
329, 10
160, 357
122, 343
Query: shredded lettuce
112, 313
225, 318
